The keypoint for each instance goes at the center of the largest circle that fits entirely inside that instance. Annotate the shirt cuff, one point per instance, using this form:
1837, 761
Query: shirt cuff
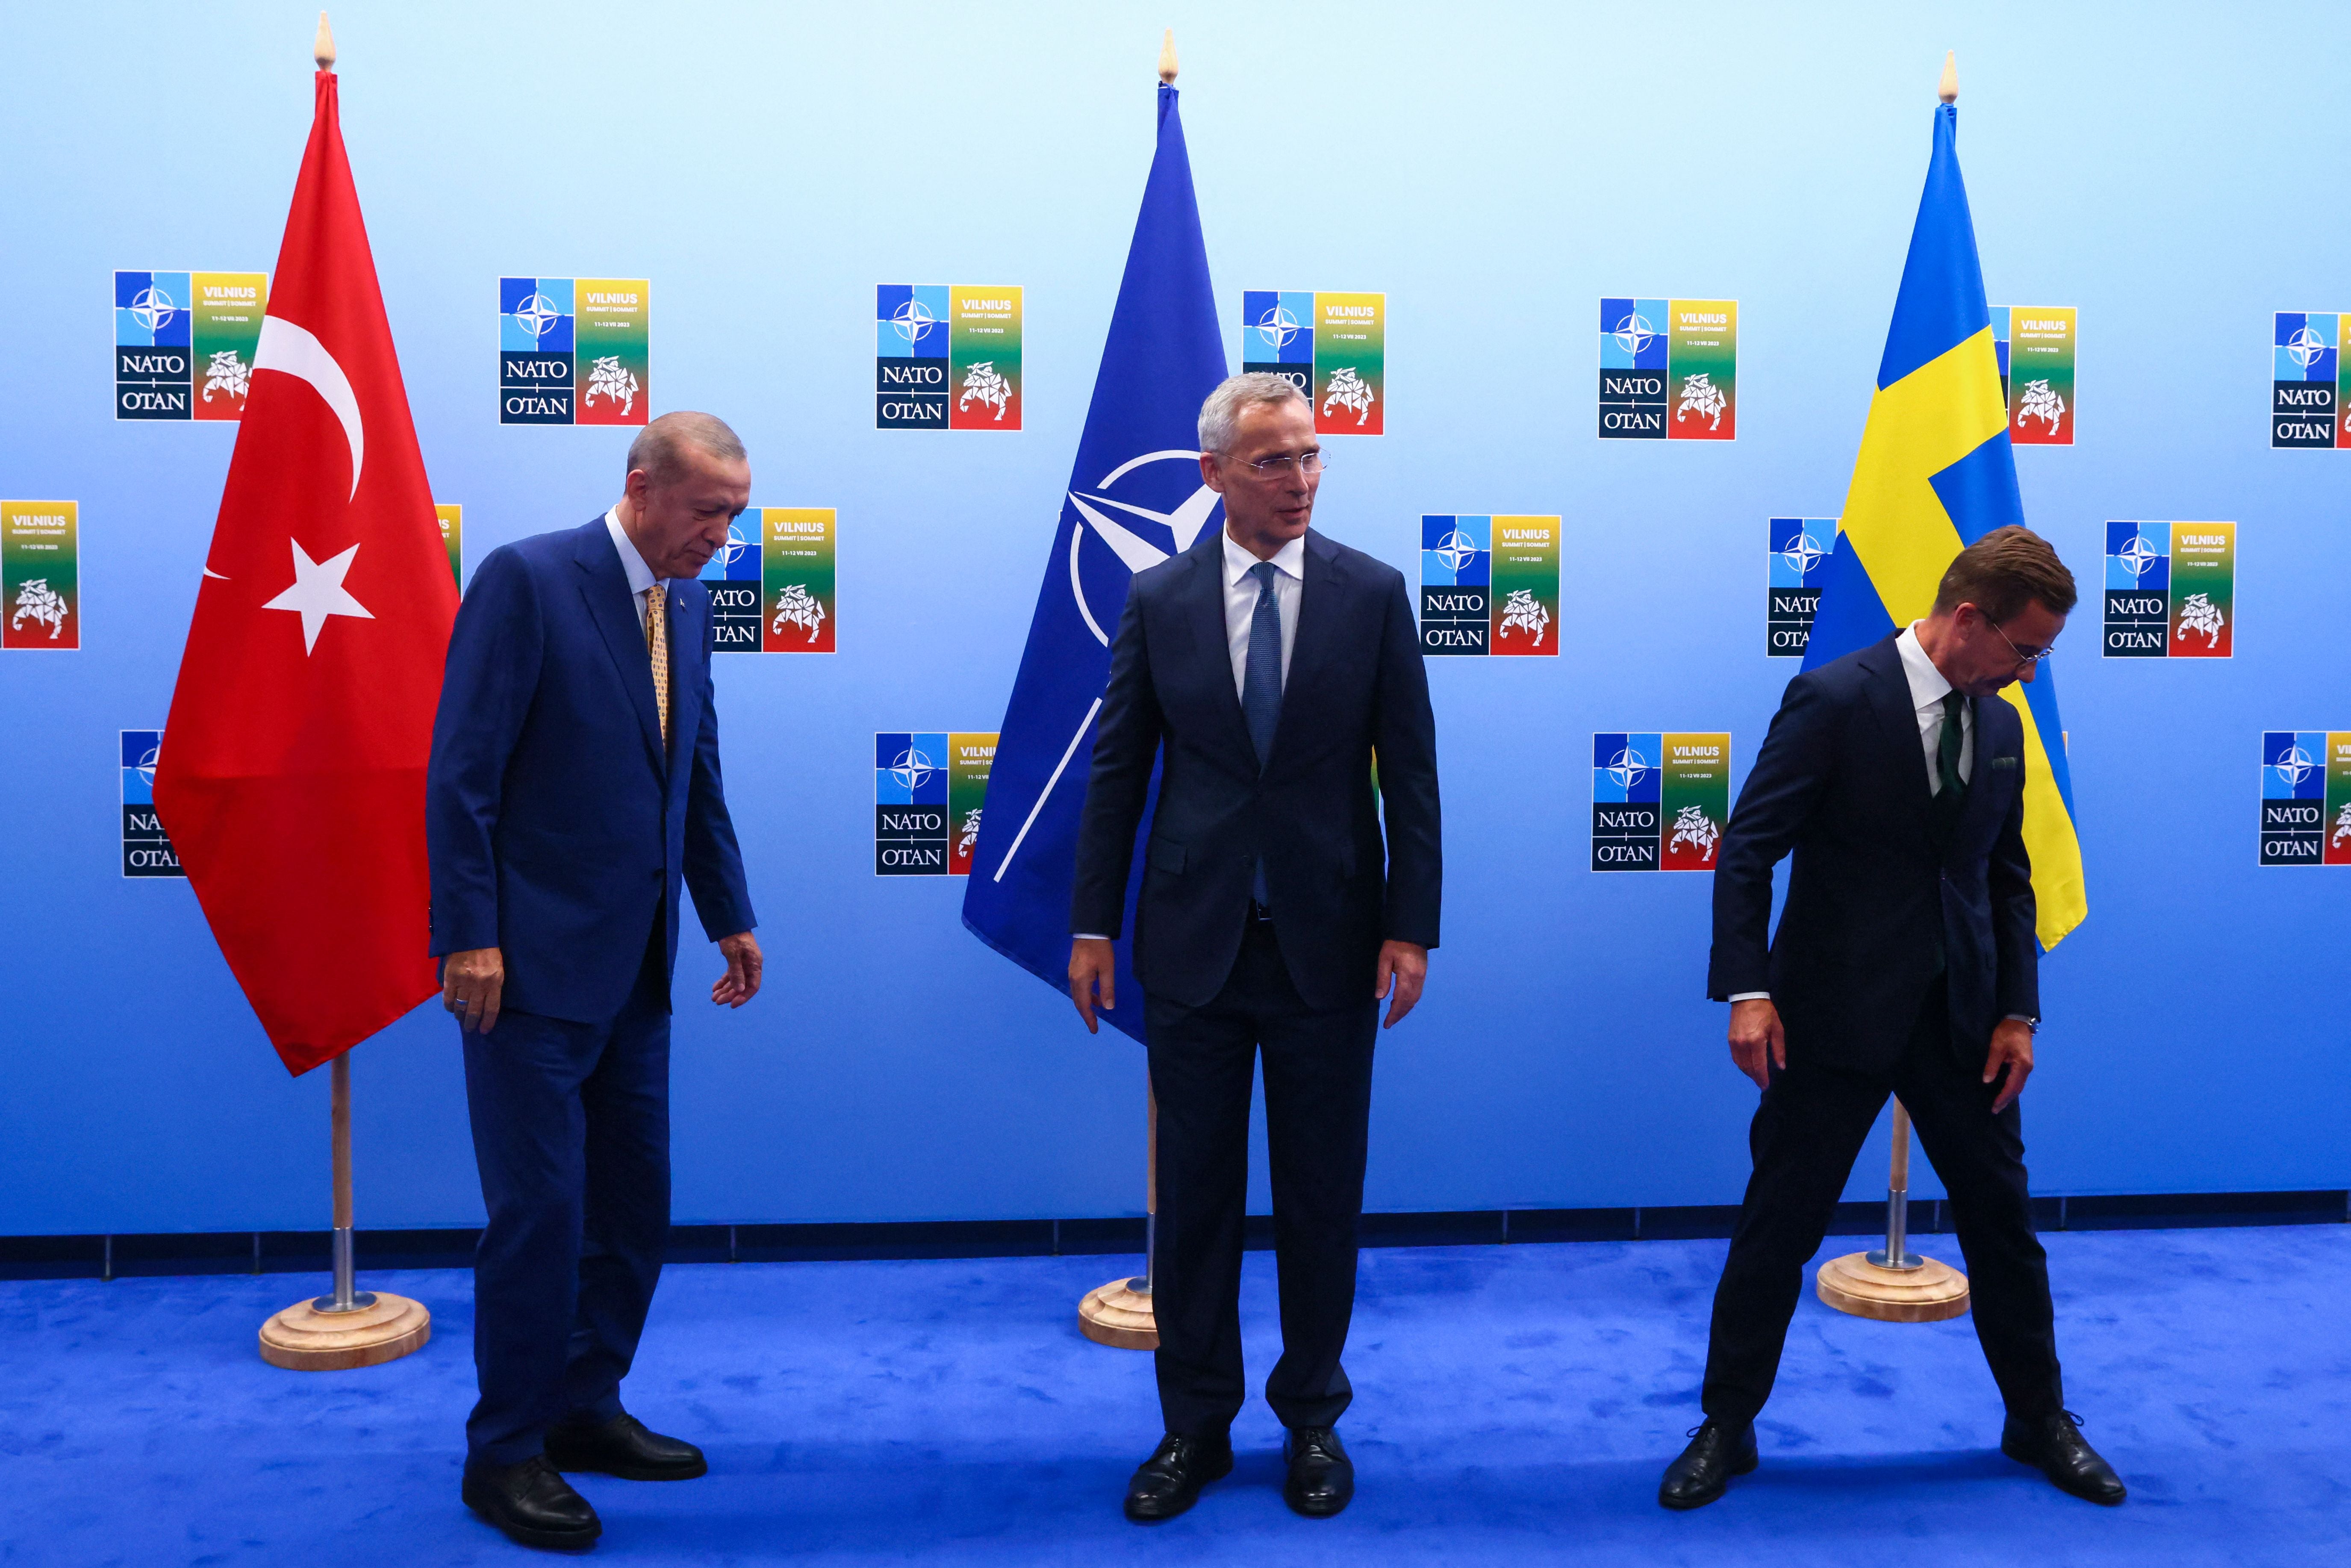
1089, 937
1752, 997
2019, 1018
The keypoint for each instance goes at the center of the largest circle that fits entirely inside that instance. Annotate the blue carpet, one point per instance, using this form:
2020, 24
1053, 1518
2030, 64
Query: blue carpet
1513, 1403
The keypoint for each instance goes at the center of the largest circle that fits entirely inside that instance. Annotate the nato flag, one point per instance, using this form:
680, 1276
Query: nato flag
1134, 499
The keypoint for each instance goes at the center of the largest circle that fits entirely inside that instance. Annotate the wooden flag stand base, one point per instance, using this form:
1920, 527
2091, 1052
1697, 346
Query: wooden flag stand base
1894, 1285
1118, 1314
349, 1328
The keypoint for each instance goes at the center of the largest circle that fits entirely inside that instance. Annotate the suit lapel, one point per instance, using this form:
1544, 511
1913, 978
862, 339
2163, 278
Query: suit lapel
604, 588
1889, 698
1983, 780
1204, 611
1318, 622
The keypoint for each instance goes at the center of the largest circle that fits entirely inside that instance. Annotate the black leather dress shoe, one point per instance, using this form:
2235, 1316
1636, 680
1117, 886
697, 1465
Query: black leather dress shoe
533, 1504
1321, 1478
622, 1447
1169, 1481
1716, 1453
2054, 1446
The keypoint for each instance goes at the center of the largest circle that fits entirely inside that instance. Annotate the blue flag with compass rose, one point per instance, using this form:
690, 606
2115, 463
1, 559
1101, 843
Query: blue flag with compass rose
1134, 499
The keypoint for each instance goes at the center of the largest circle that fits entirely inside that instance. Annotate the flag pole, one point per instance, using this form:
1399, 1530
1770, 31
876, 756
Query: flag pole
1895, 1284
348, 1327
1118, 1314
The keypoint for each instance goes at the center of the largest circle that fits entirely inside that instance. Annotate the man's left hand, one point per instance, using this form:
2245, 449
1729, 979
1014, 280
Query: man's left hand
1404, 965
2012, 1047
740, 983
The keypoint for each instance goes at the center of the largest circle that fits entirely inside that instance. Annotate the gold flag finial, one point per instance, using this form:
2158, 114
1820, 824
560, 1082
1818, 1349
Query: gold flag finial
1947, 89
323, 48
1167, 57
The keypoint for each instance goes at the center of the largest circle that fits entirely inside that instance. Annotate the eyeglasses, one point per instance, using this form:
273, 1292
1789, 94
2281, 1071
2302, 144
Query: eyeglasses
1308, 463
2025, 660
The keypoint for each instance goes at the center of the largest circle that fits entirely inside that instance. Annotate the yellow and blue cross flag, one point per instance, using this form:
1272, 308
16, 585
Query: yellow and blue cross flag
1937, 473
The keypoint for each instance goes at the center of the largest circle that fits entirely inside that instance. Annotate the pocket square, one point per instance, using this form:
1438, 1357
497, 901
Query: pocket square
2004, 763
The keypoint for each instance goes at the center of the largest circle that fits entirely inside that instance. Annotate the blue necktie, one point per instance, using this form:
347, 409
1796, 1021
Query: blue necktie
1262, 685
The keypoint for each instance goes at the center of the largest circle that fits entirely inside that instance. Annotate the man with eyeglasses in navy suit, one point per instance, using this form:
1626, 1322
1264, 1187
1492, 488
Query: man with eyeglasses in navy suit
1905, 962
1263, 669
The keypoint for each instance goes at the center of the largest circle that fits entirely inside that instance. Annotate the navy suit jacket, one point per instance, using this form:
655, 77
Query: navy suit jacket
1356, 688
558, 830
1842, 785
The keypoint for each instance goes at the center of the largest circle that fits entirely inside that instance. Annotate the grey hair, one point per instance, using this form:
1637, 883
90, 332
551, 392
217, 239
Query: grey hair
655, 449
1222, 412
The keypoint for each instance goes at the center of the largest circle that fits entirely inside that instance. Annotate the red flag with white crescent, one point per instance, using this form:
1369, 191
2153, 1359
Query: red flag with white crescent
292, 773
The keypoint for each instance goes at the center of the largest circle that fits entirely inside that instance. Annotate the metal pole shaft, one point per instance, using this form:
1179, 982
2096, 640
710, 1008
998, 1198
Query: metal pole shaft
340, 1120
1896, 1254
1151, 1198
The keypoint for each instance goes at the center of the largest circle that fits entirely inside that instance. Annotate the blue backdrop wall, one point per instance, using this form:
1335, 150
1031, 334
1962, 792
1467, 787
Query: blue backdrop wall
1495, 169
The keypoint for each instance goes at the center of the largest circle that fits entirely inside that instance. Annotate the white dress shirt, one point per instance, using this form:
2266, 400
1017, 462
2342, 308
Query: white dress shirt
1240, 601
1240, 614
1927, 689
632, 565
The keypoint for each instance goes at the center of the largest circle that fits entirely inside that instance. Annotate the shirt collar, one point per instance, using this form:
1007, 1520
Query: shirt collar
640, 576
1927, 686
1290, 559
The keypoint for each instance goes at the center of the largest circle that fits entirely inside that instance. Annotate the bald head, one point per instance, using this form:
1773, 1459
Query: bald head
658, 450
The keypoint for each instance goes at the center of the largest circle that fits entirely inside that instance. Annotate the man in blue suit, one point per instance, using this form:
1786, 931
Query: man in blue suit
1264, 670
1905, 962
574, 781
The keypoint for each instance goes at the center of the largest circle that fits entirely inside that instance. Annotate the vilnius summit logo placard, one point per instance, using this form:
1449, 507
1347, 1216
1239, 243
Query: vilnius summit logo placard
2306, 797
947, 358
1488, 585
575, 350
1668, 370
183, 342
1332, 347
772, 584
1660, 800
928, 790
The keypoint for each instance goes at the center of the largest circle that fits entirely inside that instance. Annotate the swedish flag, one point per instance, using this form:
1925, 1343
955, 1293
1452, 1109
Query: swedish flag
1937, 473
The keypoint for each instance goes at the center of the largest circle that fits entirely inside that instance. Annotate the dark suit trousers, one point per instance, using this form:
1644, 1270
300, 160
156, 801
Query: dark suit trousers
571, 1134
1318, 1100
1806, 1134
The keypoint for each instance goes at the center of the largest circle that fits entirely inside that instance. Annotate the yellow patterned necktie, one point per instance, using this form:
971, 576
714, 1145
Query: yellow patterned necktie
657, 645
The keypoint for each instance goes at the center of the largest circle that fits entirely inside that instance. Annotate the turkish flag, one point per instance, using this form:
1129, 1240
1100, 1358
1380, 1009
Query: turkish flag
292, 773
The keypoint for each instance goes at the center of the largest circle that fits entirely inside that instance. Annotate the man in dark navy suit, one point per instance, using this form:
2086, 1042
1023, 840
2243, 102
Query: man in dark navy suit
1905, 962
1264, 669
574, 779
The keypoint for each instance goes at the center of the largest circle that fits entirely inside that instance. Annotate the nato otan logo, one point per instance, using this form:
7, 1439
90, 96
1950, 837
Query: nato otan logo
1797, 565
2306, 373
146, 848
929, 789
2305, 798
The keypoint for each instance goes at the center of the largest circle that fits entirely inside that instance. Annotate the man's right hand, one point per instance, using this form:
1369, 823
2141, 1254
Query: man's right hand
1094, 963
471, 982
1757, 1043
